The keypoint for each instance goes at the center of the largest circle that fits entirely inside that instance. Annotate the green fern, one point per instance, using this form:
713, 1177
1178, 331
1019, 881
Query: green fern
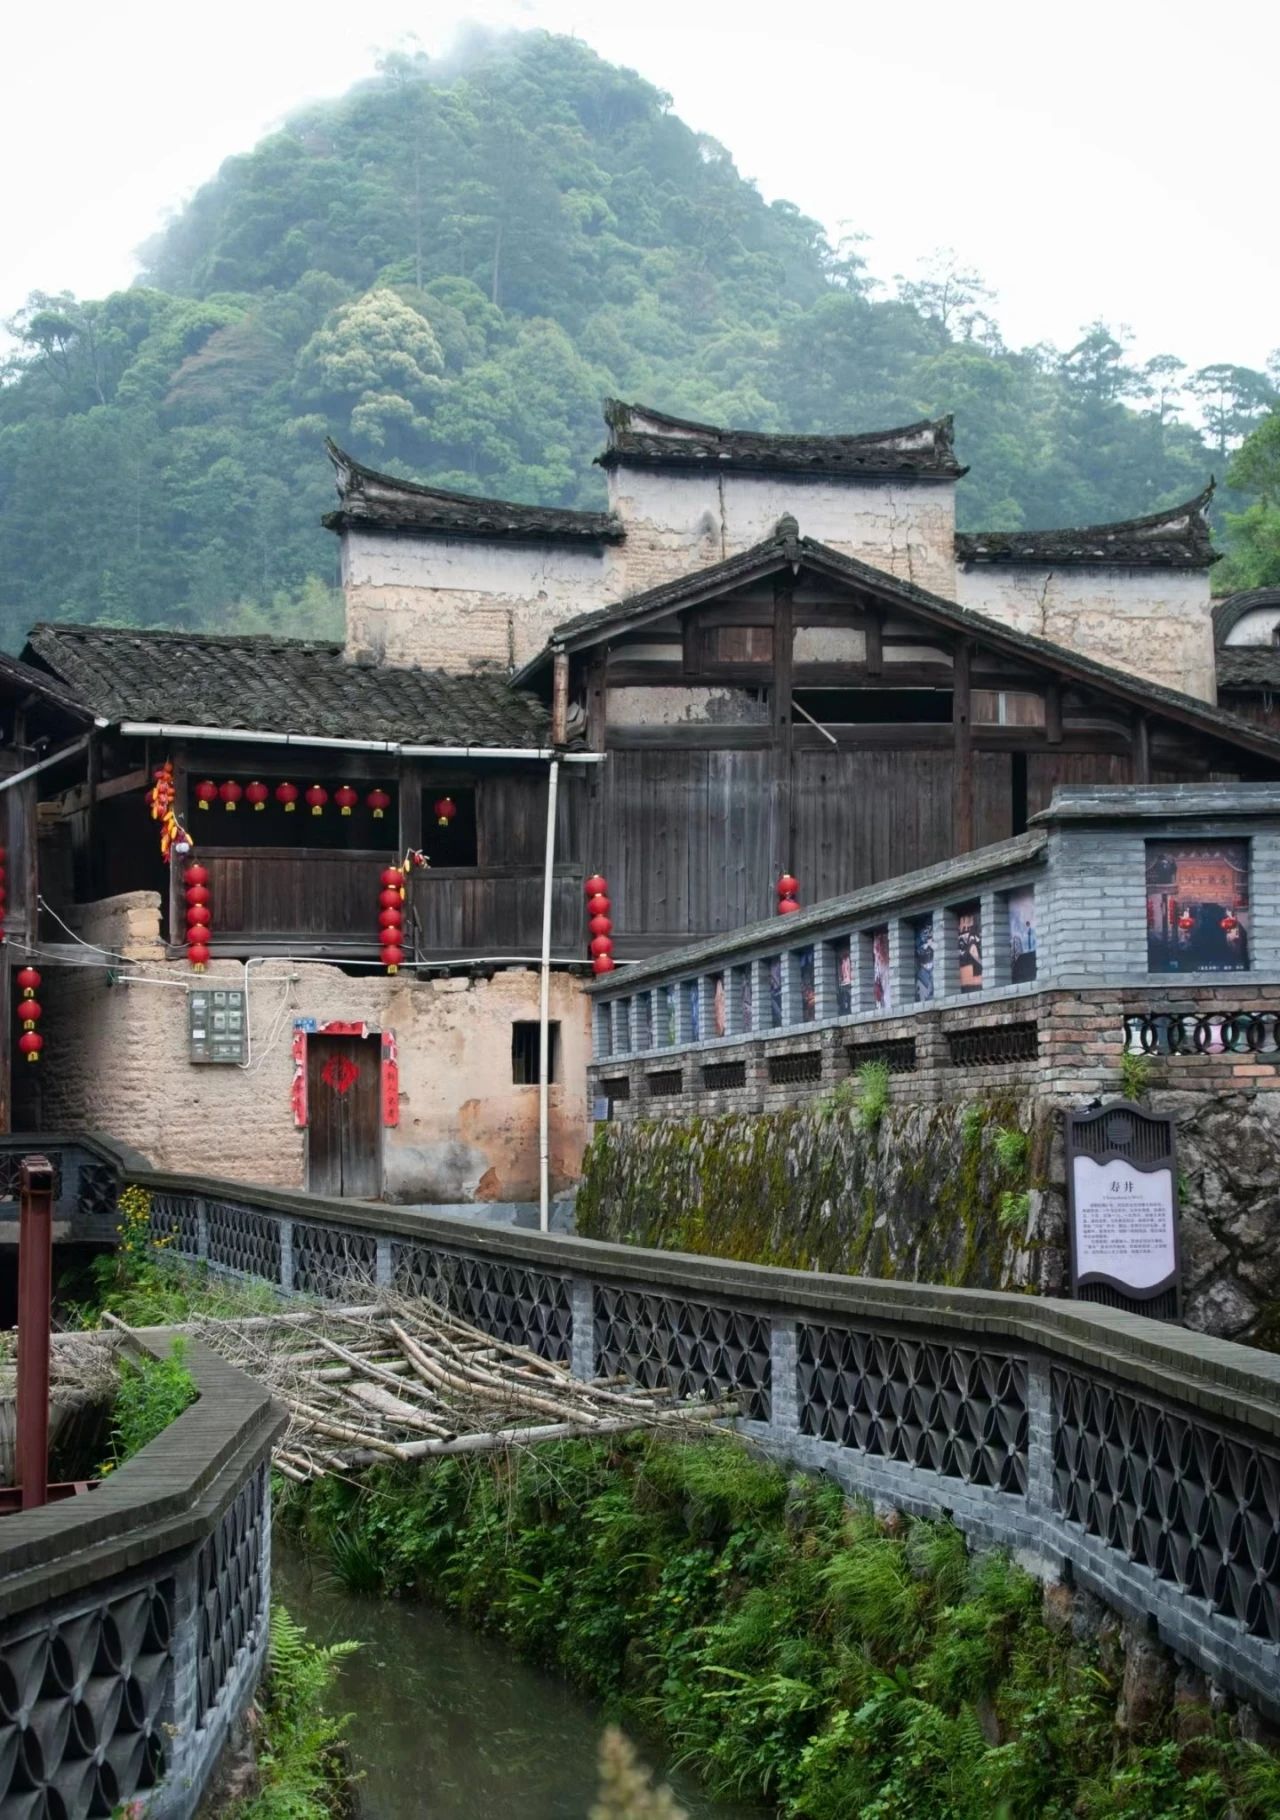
1011, 1147
1135, 1075
873, 1094
1014, 1210
301, 1752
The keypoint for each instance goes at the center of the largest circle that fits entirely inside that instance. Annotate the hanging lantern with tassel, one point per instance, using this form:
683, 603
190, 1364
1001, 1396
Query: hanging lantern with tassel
29, 1012
206, 792
445, 810
199, 916
317, 797
379, 802
257, 794
346, 798
600, 947
287, 797
391, 918
230, 792
788, 898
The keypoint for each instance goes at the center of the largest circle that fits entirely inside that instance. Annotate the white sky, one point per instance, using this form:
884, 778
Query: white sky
1110, 159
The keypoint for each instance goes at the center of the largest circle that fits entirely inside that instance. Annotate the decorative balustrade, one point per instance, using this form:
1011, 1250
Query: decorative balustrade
133, 1619
1146, 1457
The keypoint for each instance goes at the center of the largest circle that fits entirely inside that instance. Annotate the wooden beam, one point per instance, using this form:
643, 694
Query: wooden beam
962, 750
875, 644
1053, 713
597, 701
560, 698
1141, 751
783, 650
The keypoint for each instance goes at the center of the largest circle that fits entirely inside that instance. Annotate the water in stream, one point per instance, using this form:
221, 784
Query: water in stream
448, 1725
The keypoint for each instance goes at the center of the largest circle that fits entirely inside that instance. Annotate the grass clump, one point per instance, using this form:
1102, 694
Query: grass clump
301, 1754
1135, 1075
790, 1647
152, 1393
873, 1094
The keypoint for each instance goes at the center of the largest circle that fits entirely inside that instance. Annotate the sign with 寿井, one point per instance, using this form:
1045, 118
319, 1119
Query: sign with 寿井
1121, 1190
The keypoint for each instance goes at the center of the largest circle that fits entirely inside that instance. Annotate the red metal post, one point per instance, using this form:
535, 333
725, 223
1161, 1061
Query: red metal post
35, 1278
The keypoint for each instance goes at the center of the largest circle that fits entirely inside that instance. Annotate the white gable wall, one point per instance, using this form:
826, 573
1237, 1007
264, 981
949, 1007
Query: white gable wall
678, 521
461, 604
1154, 623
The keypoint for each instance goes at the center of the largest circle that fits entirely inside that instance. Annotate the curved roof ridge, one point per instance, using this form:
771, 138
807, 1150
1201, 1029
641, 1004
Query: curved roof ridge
644, 437
372, 500
1231, 609
1172, 537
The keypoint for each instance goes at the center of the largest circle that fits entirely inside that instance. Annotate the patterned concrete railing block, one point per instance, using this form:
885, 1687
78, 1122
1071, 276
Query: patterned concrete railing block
1145, 1456
133, 1626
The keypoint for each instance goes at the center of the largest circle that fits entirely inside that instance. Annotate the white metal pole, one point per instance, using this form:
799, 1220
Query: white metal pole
544, 1008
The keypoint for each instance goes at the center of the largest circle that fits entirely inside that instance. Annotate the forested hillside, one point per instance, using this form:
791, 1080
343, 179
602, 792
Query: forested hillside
447, 269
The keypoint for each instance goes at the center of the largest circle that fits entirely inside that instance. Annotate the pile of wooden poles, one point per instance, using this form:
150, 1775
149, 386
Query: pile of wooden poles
407, 1380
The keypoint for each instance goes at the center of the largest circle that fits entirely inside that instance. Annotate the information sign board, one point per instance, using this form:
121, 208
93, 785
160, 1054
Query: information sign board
1122, 1198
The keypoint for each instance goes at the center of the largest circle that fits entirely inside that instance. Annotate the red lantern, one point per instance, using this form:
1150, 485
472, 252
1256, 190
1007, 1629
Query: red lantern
198, 955
317, 797
391, 956
379, 802
288, 795
197, 914
600, 925
788, 886
392, 876
598, 905
389, 899
1228, 922
603, 963
445, 810
231, 792
257, 794
600, 944
787, 906
1186, 920
29, 982
197, 894
206, 793
30, 1011
595, 886
346, 798
389, 918
196, 874
30, 1043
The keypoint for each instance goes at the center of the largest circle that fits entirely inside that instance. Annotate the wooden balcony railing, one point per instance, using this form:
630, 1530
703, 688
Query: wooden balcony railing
313, 900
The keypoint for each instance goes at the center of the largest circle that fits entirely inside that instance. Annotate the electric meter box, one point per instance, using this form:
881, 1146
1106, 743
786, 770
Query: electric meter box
217, 1024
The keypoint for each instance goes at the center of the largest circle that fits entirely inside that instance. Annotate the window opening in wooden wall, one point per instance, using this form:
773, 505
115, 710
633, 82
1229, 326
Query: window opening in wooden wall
524, 1053
858, 707
738, 644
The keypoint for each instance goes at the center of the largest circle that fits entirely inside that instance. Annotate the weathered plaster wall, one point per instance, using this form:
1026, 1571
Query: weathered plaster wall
678, 522
116, 1061
678, 705
459, 604
1154, 623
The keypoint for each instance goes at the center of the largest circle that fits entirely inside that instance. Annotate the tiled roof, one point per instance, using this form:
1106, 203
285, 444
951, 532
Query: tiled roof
786, 548
640, 437
280, 685
1250, 667
1177, 538
371, 501
1231, 609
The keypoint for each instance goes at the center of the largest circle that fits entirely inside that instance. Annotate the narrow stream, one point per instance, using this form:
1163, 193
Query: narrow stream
447, 1724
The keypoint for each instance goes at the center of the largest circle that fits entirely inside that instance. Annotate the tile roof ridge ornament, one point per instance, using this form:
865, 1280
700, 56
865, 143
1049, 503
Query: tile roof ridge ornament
1173, 537
643, 437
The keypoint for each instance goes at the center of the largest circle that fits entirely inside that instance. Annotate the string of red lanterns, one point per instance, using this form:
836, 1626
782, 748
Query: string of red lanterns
346, 796
599, 924
788, 895
29, 1012
391, 918
199, 916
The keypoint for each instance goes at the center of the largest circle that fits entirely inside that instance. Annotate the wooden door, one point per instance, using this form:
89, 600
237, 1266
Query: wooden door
344, 1116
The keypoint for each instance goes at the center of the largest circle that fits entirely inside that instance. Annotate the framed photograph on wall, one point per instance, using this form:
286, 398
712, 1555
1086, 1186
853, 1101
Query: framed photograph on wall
1197, 906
